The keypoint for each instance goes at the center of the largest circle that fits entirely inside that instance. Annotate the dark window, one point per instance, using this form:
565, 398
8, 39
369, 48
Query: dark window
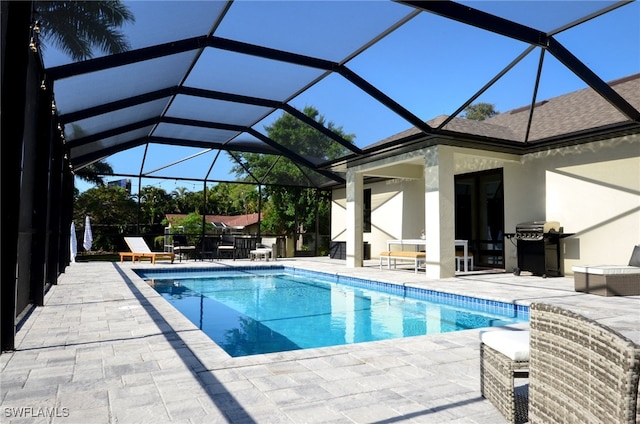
366, 211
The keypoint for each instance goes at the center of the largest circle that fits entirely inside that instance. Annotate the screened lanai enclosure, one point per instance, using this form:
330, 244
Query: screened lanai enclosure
201, 81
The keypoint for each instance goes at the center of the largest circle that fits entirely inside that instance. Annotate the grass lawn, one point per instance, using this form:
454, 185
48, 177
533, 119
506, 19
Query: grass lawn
98, 256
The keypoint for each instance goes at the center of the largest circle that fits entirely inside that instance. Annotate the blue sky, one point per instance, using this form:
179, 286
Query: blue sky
429, 65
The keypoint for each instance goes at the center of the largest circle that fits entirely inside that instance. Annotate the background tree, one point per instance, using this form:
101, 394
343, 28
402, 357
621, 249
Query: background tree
297, 136
179, 197
154, 204
191, 225
110, 210
192, 202
480, 111
290, 209
243, 199
94, 173
79, 27
219, 202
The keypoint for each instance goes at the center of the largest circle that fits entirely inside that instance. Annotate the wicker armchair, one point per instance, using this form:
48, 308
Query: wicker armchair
504, 357
580, 371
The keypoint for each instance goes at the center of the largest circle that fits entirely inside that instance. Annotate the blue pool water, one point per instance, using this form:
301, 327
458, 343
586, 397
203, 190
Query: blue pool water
263, 310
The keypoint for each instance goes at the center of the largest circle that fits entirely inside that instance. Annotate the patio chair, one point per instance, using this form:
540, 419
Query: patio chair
208, 248
504, 357
460, 265
580, 370
140, 250
182, 247
227, 246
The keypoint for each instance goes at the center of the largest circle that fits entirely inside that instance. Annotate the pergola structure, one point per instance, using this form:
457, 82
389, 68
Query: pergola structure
203, 79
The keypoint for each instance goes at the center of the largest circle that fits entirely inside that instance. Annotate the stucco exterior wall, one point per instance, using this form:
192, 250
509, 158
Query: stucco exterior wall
593, 190
397, 211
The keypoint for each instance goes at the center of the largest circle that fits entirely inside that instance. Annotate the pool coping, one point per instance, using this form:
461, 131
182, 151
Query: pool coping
213, 357
490, 306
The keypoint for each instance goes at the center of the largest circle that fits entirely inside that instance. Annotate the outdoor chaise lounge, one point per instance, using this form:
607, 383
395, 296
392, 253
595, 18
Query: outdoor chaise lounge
609, 280
140, 250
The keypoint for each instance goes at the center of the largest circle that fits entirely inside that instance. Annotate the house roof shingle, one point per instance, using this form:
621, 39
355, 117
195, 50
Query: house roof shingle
229, 221
570, 113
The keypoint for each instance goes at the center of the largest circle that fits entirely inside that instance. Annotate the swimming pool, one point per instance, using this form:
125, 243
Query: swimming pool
253, 310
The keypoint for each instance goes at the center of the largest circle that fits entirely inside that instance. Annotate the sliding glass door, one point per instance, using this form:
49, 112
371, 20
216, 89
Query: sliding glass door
479, 206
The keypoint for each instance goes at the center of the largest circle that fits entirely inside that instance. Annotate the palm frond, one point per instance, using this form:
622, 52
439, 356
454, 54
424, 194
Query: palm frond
77, 27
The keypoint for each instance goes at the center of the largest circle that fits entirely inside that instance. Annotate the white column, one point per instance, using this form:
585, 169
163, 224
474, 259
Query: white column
439, 212
355, 197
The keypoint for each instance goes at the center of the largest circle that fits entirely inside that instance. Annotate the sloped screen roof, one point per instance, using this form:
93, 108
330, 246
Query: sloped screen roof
203, 79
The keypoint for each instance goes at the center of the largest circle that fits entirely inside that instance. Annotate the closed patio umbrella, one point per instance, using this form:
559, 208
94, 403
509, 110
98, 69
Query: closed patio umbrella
88, 236
73, 242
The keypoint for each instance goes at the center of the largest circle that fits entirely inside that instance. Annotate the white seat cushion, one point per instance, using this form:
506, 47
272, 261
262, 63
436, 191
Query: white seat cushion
513, 344
607, 269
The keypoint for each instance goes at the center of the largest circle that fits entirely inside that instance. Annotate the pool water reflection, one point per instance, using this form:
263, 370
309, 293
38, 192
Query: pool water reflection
247, 313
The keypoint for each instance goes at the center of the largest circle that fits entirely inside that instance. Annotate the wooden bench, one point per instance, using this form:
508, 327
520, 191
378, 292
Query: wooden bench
416, 257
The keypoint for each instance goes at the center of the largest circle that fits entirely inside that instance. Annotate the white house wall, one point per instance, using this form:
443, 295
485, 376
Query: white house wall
397, 211
339, 215
592, 189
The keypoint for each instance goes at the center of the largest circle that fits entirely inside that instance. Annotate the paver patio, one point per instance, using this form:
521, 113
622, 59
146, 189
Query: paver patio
106, 348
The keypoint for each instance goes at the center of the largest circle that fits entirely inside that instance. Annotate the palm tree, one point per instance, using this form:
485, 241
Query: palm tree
77, 27
94, 172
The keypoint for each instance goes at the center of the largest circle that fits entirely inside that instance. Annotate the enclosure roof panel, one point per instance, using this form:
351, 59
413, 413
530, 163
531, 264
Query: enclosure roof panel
215, 76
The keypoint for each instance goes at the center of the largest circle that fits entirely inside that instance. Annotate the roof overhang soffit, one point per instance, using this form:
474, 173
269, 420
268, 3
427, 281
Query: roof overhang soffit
402, 171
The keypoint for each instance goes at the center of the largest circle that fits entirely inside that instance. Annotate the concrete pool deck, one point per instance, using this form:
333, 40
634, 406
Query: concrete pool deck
106, 348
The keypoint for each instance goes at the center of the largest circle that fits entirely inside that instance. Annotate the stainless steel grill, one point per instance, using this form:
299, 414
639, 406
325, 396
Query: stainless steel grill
539, 248
536, 230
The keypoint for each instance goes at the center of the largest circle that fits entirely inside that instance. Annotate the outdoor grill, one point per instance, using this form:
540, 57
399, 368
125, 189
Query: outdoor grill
538, 244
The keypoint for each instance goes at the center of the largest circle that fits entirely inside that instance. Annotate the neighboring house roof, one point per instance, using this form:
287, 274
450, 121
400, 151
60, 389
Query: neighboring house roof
574, 112
228, 221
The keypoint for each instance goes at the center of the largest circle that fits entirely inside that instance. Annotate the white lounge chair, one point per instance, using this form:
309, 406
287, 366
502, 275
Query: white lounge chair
140, 250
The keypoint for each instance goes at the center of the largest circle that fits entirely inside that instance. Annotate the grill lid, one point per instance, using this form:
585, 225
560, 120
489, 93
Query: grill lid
539, 227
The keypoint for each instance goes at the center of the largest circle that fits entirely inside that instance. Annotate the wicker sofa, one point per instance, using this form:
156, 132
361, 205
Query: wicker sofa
579, 370
609, 280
